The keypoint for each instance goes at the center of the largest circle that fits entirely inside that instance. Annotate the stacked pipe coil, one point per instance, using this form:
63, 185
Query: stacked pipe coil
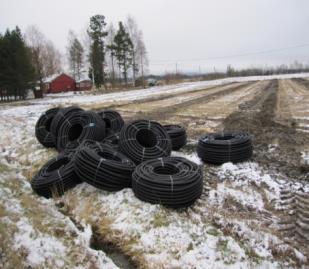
70, 149
42, 128
61, 117
172, 181
79, 126
112, 140
55, 177
144, 140
218, 148
113, 121
177, 134
103, 167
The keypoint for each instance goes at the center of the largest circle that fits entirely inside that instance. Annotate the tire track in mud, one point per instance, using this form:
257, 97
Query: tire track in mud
258, 118
295, 224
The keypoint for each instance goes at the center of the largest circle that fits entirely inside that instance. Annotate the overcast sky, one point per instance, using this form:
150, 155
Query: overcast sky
196, 34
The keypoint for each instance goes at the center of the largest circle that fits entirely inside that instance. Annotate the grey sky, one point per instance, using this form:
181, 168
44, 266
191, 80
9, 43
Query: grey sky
190, 33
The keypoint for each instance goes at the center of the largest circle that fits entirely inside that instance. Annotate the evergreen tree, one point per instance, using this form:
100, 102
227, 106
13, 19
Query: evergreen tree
123, 51
97, 34
16, 70
75, 55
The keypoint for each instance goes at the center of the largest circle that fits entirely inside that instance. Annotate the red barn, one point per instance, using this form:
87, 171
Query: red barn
59, 83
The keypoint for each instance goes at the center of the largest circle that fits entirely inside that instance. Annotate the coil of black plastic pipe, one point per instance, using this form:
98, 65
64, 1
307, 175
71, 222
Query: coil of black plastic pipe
42, 127
218, 148
171, 181
61, 117
112, 140
113, 121
101, 166
79, 126
55, 177
144, 140
177, 134
70, 149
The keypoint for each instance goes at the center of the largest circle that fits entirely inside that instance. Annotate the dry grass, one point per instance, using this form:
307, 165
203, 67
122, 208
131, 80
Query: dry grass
105, 234
8, 258
4, 168
160, 219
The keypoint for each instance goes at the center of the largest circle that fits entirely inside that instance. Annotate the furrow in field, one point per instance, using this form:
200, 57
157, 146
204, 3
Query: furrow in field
166, 104
206, 115
293, 105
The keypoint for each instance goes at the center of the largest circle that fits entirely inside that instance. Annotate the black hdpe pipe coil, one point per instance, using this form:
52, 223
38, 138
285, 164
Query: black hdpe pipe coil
61, 117
177, 134
55, 177
80, 126
70, 149
171, 181
144, 140
43, 126
113, 121
218, 148
112, 140
101, 166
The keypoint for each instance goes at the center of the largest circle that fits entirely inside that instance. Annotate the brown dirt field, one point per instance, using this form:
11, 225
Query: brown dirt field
259, 118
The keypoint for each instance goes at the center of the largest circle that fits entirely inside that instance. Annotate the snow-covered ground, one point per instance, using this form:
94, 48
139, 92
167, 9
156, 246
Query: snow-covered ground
233, 225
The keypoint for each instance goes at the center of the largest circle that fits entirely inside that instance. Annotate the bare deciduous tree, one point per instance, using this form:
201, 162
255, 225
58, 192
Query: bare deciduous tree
139, 54
45, 58
75, 53
133, 31
53, 63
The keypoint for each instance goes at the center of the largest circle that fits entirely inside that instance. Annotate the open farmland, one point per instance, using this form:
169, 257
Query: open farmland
242, 220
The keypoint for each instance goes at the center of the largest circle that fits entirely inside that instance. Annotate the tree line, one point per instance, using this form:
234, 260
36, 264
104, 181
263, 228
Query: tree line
105, 54
295, 67
109, 55
25, 61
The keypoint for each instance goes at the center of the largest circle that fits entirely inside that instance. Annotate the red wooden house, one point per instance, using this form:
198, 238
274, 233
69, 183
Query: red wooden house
59, 83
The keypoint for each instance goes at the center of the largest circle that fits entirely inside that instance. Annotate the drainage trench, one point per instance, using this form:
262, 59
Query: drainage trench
111, 251
97, 243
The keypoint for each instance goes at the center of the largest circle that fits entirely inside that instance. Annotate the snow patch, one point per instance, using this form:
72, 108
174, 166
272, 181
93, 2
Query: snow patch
247, 197
191, 157
250, 172
305, 156
39, 247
